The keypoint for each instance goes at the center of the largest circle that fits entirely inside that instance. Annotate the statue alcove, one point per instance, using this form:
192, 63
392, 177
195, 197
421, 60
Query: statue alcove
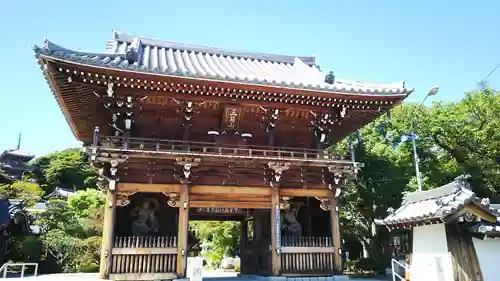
147, 214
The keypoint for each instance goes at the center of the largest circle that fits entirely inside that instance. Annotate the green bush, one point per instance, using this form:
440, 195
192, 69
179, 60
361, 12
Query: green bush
237, 266
89, 267
374, 265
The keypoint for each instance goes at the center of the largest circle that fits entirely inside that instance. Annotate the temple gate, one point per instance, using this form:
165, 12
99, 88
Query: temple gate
181, 132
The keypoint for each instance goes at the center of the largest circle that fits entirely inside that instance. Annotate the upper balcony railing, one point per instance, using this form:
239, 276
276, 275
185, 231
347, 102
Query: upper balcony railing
175, 148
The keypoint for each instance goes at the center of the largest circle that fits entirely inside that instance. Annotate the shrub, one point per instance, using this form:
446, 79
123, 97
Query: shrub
237, 266
89, 267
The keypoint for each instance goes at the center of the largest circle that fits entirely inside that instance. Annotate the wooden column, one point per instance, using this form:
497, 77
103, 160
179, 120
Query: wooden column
336, 235
183, 231
275, 231
107, 235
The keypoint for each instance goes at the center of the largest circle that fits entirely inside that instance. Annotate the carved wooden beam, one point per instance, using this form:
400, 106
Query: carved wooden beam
186, 164
274, 172
220, 190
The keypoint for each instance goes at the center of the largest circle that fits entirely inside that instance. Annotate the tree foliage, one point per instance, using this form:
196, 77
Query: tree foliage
64, 169
221, 236
30, 192
71, 230
451, 138
85, 202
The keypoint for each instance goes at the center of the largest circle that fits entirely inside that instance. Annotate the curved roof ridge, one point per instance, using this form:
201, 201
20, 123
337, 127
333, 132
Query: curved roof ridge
127, 38
399, 84
50, 47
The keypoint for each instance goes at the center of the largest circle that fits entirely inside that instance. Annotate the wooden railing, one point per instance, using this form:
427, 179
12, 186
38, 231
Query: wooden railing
181, 148
144, 258
307, 255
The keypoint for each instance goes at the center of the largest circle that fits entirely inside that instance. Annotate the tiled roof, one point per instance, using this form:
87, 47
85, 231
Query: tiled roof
485, 228
60, 192
139, 54
14, 154
438, 203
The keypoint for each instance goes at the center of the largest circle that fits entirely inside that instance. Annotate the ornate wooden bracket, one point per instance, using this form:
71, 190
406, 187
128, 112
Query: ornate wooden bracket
302, 176
285, 203
122, 110
108, 171
270, 117
323, 122
188, 110
123, 198
325, 204
321, 126
173, 199
150, 173
334, 177
274, 172
185, 176
230, 175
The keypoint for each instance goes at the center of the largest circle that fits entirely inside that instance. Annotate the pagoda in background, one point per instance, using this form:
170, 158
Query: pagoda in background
14, 163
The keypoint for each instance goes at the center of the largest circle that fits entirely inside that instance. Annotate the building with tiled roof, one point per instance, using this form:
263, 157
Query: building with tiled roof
451, 231
13, 164
231, 130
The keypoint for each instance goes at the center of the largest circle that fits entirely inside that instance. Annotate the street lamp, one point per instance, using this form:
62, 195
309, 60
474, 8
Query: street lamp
432, 91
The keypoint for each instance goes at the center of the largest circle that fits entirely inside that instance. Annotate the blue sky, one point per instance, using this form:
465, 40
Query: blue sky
450, 43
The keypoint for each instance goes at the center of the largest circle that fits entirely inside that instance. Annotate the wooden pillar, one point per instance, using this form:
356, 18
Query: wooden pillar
107, 235
182, 234
275, 231
337, 258
243, 235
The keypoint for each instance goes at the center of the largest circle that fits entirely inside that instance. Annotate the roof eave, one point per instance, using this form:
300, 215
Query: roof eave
52, 86
402, 95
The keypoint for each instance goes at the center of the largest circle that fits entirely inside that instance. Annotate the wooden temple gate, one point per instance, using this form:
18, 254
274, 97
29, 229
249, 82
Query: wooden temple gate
176, 127
267, 252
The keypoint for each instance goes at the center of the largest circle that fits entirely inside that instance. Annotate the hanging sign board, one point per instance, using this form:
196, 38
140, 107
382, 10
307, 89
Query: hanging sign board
219, 211
231, 118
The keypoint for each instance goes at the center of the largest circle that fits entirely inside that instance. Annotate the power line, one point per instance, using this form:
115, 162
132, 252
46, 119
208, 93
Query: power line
489, 74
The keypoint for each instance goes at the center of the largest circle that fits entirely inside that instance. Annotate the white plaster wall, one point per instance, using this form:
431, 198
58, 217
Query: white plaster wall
430, 259
487, 251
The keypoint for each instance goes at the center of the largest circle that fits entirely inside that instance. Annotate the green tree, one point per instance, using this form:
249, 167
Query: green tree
223, 236
67, 250
64, 169
466, 137
452, 139
30, 192
57, 216
85, 202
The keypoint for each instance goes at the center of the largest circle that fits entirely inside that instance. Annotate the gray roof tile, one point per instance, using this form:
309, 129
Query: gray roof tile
438, 203
13, 154
60, 192
176, 59
485, 228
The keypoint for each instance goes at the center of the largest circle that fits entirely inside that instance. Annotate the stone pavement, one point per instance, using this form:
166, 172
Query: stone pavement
209, 275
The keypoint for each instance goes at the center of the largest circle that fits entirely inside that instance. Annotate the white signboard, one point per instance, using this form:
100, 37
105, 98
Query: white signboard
194, 268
